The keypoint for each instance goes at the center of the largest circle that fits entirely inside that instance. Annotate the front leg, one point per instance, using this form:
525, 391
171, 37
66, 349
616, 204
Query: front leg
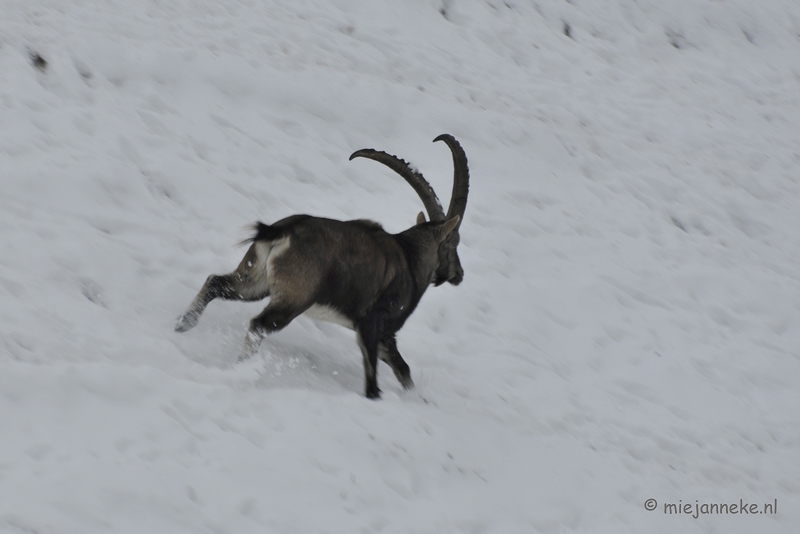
367, 336
387, 351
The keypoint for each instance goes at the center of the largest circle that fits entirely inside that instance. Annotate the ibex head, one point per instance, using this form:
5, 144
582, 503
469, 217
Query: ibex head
449, 269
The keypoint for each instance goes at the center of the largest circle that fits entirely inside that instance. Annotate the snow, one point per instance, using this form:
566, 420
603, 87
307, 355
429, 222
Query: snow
628, 326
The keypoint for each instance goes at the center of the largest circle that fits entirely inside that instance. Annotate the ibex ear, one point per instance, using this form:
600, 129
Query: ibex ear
446, 228
420, 218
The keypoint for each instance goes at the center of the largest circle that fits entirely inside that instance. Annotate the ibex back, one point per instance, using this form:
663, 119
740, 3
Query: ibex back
352, 273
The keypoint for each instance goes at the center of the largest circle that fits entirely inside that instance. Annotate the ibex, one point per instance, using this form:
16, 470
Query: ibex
352, 273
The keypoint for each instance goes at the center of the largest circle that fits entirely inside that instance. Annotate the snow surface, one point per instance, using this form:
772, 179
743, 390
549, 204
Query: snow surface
629, 323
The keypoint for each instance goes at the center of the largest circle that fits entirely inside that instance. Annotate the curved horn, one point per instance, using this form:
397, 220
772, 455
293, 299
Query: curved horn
414, 179
458, 200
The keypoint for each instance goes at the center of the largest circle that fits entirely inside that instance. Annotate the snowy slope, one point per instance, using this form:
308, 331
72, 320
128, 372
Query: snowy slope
629, 323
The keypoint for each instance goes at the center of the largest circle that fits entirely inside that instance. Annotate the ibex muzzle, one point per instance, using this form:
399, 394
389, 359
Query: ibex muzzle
351, 273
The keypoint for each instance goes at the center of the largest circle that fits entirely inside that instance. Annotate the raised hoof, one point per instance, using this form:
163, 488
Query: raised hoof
244, 357
250, 347
406, 382
186, 322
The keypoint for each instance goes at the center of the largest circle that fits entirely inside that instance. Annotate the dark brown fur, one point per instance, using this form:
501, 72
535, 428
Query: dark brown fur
350, 272
369, 277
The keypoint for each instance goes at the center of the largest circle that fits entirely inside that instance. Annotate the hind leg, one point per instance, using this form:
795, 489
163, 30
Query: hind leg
387, 352
248, 282
274, 317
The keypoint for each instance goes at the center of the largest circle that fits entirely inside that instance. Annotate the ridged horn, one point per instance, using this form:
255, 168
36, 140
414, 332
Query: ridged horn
414, 178
458, 200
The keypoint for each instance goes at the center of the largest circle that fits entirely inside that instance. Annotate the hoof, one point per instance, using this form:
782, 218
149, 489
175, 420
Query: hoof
186, 322
406, 382
250, 347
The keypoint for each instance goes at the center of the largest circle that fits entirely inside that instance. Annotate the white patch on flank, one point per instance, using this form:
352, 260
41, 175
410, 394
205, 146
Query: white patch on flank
256, 277
276, 248
321, 312
263, 249
266, 253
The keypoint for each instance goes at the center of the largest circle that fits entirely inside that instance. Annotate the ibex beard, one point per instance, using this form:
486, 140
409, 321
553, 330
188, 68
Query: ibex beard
351, 273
